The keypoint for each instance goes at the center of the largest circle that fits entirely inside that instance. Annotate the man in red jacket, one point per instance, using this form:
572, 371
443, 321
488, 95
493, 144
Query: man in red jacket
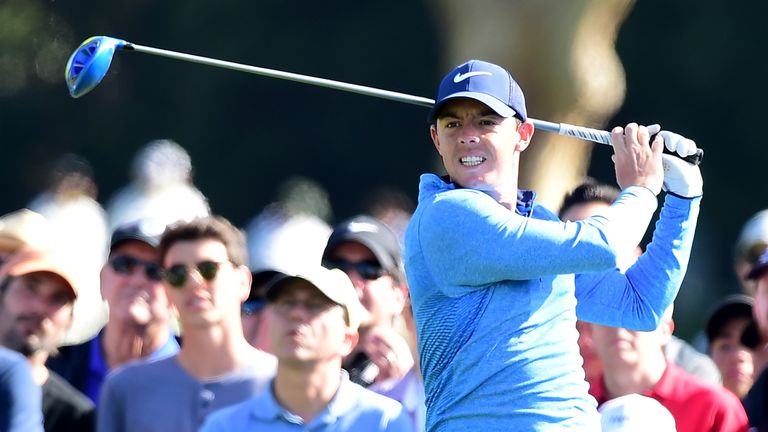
634, 362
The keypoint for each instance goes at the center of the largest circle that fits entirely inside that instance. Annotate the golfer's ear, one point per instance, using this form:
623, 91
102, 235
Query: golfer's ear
433, 134
525, 130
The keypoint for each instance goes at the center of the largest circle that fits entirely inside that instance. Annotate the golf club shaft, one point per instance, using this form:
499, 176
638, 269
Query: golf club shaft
589, 134
305, 79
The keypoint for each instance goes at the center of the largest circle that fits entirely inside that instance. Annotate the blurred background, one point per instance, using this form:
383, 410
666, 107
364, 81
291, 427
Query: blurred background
695, 67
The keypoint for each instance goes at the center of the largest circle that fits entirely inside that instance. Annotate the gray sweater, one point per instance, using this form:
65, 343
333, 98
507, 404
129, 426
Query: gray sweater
161, 396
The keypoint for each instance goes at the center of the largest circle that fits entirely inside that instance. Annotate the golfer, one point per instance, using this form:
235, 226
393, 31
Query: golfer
497, 280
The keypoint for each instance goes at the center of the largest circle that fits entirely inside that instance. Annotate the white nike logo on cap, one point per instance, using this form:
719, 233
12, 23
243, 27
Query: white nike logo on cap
461, 77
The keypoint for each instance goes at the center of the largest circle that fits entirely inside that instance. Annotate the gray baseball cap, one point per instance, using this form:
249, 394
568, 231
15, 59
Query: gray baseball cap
374, 235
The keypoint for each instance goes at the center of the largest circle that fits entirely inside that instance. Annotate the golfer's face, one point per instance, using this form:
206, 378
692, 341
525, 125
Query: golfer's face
479, 148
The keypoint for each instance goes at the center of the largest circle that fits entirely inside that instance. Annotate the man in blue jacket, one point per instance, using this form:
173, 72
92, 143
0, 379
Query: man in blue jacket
497, 281
20, 397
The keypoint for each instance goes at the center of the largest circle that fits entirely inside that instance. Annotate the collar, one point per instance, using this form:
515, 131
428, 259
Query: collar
525, 198
266, 407
663, 390
169, 348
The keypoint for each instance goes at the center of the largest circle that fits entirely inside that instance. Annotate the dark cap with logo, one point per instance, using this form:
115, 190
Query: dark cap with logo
146, 231
730, 308
751, 337
484, 82
374, 235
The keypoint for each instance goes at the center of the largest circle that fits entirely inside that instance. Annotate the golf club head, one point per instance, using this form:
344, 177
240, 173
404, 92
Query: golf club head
89, 63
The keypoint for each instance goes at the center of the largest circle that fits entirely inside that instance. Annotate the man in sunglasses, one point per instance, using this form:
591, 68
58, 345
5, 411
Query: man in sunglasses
206, 279
314, 316
370, 254
139, 324
752, 242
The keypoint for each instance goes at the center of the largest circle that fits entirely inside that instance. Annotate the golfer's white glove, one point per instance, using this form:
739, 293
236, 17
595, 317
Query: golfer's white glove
678, 144
680, 177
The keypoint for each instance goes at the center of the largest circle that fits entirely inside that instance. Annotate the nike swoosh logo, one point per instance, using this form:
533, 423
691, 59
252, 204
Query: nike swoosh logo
461, 77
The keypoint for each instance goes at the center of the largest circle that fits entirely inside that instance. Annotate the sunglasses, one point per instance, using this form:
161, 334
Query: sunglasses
753, 253
177, 274
366, 269
126, 265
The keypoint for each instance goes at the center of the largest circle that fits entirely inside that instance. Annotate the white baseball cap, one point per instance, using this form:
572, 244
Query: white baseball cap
334, 284
636, 413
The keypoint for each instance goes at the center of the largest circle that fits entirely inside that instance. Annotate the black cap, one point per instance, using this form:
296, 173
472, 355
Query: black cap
374, 235
730, 308
146, 231
260, 281
750, 337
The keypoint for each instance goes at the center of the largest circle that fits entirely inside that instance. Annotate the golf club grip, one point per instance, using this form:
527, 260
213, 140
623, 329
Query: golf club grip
601, 137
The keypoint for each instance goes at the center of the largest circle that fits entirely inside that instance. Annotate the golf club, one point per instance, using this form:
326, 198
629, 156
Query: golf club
91, 60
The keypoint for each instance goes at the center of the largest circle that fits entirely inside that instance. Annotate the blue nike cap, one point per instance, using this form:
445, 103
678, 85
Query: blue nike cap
484, 82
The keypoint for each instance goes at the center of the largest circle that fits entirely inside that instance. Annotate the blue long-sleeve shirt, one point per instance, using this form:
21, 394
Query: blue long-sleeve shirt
495, 296
20, 396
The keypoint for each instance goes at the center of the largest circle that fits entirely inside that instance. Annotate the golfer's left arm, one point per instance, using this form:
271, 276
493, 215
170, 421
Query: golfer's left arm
638, 298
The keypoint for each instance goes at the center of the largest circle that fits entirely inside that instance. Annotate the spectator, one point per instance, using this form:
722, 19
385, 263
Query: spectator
724, 328
78, 221
22, 228
314, 318
408, 389
370, 254
755, 336
752, 242
139, 324
207, 280
634, 362
392, 207
20, 408
584, 201
280, 239
161, 188
37, 296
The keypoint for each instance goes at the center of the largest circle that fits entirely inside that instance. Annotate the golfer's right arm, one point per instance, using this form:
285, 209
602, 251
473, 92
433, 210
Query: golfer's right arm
469, 240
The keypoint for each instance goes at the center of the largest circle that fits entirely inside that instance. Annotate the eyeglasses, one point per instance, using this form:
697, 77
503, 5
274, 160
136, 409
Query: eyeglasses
252, 307
126, 265
177, 274
366, 269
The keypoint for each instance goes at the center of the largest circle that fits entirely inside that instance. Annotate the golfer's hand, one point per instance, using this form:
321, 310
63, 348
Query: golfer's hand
636, 162
389, 352
680, 177
679, 144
